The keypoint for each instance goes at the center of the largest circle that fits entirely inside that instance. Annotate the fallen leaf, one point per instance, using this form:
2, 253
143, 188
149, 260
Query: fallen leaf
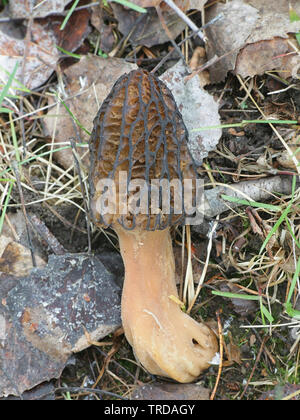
197, 60
168, 391
274, 21
17, 260
261, 56
36, 57
282, 391
88, 82
43, 318
285, 159
146, 29
75, 31
198, 109
255, 26
183, 4
107, 38
243, 307
20, 9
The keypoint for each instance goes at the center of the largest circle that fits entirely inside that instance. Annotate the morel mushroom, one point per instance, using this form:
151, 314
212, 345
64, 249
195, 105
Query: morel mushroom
139, 137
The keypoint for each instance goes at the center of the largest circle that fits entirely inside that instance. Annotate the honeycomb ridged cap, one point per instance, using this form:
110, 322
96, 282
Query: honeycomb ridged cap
138, 137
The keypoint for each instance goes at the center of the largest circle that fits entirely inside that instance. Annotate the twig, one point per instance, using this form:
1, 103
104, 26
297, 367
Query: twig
167, 56
15, 168
186, 19
209, 248
85, 6
221, 344
89, 390
167, 30
255, 364
77, 165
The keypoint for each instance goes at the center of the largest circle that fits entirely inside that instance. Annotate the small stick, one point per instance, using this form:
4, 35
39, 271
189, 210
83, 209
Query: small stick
220, 332
255, 364
186, 19
77, 165
15, 168
167, 56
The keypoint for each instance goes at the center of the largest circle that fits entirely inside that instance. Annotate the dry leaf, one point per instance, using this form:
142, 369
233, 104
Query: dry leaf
37, 57
146, 29
285, 160
89, 81
19, 9
17, 260
262, 56
198, 109
182, 4
228, 35
256, 26
242, 307
75, 31
197, 60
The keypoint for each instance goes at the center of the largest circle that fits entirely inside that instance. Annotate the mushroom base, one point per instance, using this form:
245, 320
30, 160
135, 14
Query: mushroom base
165, 340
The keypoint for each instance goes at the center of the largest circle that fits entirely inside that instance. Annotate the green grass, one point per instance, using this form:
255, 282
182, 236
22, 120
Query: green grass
250, 203
72, 115
243, 124
125, 3
7, 199
282, 218
131, 5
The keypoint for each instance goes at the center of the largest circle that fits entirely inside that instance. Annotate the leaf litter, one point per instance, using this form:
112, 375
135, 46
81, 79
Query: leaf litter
248, 39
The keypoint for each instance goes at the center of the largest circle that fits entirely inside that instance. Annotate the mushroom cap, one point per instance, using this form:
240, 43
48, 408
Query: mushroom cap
138, 143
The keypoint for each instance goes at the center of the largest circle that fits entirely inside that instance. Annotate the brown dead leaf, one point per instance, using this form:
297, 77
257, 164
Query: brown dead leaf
88, 82
254, 31
198, 109
228, 35
107, 39
197, 60
182, 4
259, 57
37, 57
242, 307
285, 160
233, 352
75, 31
20, 9
16, 260
146, 29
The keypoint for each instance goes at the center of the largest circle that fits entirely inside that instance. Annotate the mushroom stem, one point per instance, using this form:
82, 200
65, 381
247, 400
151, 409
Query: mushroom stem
165, 340
149, 269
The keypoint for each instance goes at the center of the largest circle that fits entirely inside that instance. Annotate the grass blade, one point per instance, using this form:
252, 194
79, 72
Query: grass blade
131, 5
234, 295
3, 210
281, 218
69, 15
293, 284
250, 203
9, 82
